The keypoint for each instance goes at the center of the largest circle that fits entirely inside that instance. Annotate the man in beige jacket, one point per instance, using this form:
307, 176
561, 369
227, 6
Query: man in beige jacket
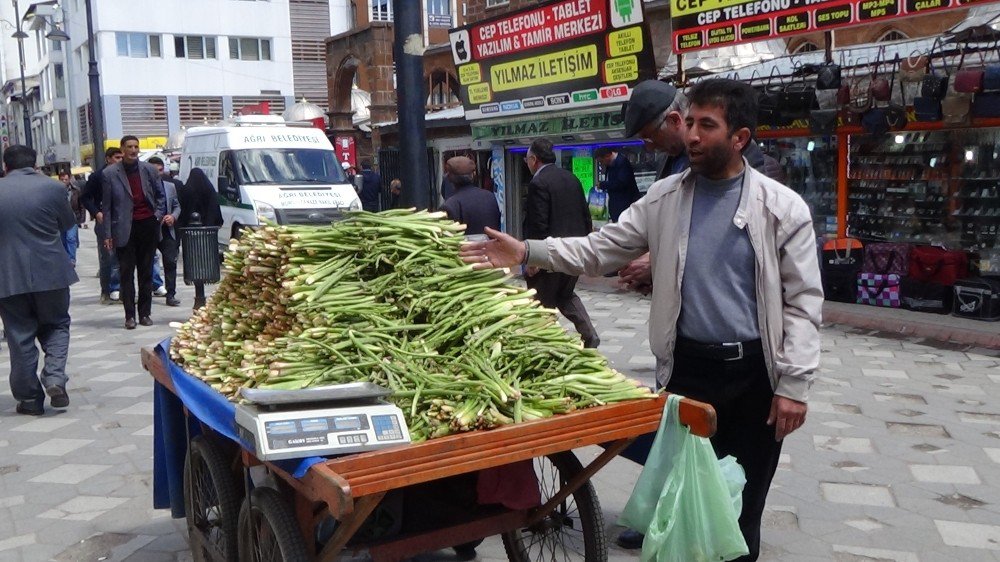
737, 296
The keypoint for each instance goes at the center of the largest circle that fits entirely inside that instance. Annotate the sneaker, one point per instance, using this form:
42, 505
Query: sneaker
160, 292
105, 298
115, 295
58, 396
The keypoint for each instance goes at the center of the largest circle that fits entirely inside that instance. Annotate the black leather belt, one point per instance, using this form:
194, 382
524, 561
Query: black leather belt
733, 351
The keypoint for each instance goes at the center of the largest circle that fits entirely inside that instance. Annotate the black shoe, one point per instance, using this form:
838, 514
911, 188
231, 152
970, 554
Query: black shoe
146, 321
130, 323
105, 298
58, 396
171, 301
30, 409
630, 540
467, 551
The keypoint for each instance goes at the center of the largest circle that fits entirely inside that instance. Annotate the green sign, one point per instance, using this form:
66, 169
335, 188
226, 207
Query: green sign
564, 125
583, 169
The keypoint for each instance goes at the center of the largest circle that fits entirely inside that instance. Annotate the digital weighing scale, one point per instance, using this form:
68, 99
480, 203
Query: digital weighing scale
321, 421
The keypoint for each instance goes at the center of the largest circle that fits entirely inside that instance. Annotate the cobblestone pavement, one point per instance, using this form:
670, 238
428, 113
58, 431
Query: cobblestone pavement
899, 460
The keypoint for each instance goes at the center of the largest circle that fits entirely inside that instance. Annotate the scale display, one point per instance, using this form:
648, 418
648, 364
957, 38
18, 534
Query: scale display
289, 434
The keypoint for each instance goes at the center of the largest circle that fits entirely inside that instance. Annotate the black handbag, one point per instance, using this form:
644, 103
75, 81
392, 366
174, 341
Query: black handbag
895, 113
927, 109
823, 121
797, 98
874, 122
828, 76
925, 297
986, 104
933, 85
769, 109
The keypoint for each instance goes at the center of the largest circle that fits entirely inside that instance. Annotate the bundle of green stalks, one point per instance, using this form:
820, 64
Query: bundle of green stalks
384, 298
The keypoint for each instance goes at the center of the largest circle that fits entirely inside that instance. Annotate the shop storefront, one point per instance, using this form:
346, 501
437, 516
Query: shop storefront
576, 135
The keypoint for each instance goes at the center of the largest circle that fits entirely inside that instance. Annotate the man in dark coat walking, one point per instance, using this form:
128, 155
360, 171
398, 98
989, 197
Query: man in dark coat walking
35, 275
556, 207
620, 183
371, 187
133, 205
475, 208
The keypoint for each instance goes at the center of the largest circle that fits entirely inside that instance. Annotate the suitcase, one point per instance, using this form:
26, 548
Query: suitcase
925, 297
887, 258
840, 263
877, 289
977, 298
932, 264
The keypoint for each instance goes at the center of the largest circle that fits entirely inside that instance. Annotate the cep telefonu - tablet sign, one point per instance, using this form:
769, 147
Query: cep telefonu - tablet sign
555, 56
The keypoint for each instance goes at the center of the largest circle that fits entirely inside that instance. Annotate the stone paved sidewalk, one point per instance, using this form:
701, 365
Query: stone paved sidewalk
899, 460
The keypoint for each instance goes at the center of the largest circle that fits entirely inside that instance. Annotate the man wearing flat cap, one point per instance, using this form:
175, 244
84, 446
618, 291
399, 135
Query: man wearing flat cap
475, 208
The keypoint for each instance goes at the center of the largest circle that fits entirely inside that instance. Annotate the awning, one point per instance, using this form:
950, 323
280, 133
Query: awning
12, 88
724, 59
982, 23
457, 112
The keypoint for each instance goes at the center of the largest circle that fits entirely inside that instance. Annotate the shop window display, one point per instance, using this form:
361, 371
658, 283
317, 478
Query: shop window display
933, 187
810, 167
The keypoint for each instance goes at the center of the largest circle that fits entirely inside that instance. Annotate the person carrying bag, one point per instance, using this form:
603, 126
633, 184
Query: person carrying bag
686, 500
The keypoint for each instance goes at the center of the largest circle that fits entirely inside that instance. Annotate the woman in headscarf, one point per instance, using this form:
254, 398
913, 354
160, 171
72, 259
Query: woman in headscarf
199, 196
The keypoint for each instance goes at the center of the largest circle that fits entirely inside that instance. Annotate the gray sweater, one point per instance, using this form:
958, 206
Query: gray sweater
718, 297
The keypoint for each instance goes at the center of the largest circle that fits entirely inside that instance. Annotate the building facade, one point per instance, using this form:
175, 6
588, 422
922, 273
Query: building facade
167, 65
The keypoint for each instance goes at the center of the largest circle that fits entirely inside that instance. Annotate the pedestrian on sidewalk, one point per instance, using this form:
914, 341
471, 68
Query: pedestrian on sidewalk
199, 196
737, 297
476, 208
133, 203
169, 245
620, 183
556, 207
71, 238
371, 187
655, 113
35, 275
91, 197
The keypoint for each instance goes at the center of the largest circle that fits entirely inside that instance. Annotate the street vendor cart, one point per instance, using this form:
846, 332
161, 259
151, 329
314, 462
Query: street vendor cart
315, 512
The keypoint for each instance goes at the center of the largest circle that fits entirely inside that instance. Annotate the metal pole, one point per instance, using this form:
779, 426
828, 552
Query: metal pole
24, 90
96, 106
410, 100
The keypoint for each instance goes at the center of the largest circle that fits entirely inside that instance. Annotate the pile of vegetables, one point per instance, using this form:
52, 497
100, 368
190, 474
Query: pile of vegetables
383, 297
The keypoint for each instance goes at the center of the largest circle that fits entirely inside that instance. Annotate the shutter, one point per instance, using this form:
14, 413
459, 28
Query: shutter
196, 111
195, 47
310, 26
83, 120
144, 116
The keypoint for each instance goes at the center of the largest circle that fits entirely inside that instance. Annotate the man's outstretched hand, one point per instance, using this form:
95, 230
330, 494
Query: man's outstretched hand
501, 250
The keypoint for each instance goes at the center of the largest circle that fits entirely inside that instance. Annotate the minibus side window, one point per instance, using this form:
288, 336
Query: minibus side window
228, 186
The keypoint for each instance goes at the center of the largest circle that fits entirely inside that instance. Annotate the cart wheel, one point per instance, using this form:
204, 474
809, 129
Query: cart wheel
269, 531
212, 502
573, 531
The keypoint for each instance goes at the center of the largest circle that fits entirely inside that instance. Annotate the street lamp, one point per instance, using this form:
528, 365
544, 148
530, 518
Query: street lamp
96, 107
20, 35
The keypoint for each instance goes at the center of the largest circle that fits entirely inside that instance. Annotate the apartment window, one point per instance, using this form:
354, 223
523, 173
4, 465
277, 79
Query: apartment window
63, 127
439, 7
144, 116
60, 80
892, 35
495, 3
249, 48
137, 45
380, 10
194, 47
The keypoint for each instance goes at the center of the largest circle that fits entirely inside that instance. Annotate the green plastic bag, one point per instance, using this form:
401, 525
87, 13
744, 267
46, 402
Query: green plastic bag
686, 501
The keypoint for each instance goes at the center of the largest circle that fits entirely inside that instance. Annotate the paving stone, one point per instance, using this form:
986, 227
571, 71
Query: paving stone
15, 542
944, 473
56, 447
993, 454
843, 444
70, 473
969, 535
46, 425
857, 494
845, 553
917, 429
885, 373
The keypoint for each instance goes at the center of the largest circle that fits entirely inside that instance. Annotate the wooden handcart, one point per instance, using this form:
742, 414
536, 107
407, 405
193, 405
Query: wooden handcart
227, 521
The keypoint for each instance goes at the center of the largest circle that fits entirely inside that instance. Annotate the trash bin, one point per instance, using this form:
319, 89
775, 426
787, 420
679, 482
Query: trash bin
200, 248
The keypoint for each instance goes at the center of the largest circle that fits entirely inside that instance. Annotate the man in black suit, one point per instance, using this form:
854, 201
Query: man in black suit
556, 207
35, 275
133, 205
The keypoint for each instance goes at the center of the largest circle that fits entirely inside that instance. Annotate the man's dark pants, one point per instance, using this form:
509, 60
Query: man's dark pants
137, 255
42, 316
557, 290
741, 393
169, 247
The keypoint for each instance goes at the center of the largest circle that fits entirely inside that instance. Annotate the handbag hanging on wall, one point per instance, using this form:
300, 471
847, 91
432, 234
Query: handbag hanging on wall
934, 85
969, 80
913, 68
881, 89
895, 113
823, 121
956, 109
927, 109
828, 76
861, 94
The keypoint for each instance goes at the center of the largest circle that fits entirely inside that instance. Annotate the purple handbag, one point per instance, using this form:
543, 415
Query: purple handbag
879, 290
887, 258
